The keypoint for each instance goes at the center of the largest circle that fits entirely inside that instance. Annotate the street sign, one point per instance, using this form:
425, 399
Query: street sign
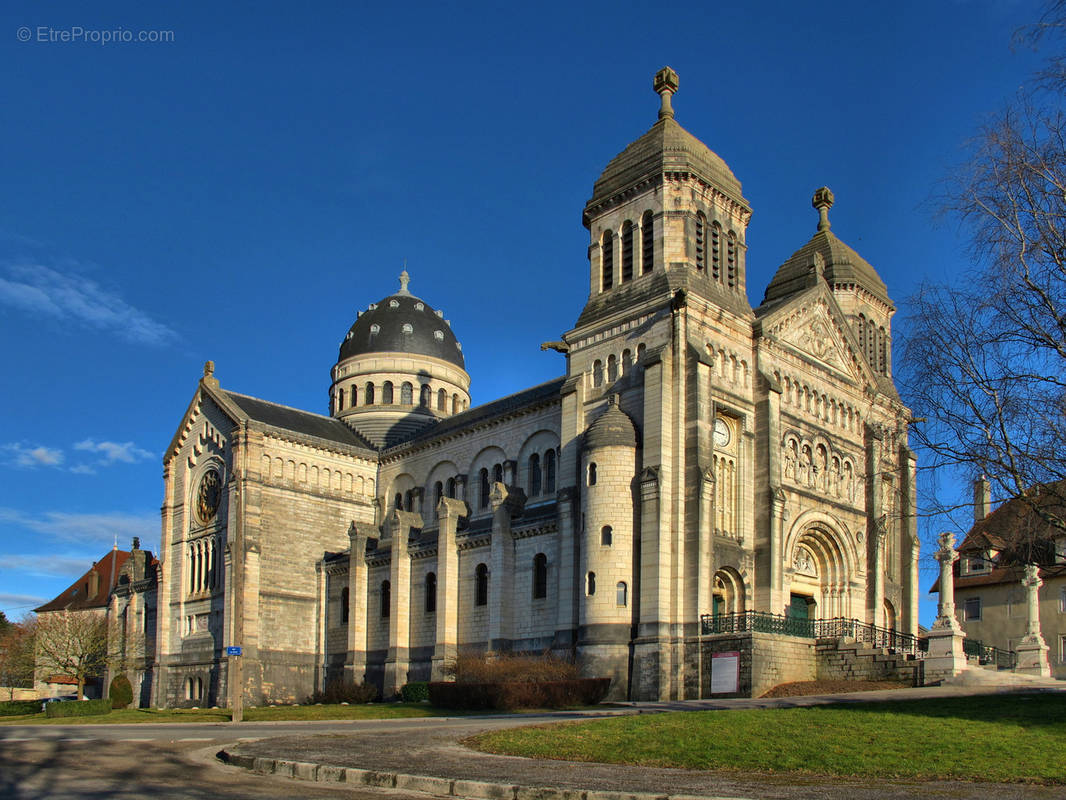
233, 651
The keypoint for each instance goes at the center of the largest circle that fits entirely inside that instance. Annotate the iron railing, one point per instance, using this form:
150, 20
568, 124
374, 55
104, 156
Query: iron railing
757, 621
884, 638
988, 655
835, 628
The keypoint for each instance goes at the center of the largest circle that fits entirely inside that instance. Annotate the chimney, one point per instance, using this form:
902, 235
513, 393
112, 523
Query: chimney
982, 498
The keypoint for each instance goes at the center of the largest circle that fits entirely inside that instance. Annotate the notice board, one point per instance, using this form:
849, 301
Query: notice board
725, 672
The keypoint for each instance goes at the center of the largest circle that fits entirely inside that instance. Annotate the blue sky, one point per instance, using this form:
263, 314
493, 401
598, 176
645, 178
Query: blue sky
240, 192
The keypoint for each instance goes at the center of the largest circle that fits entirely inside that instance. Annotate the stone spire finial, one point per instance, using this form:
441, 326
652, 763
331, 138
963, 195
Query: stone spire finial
404, 280
209, 369
823, 201
665, 85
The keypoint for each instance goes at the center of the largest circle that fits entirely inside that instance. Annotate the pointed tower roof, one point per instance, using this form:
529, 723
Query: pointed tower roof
665, 148
837, 262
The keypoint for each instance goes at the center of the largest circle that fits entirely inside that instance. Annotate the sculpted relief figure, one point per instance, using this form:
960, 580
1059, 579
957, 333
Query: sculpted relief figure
791, 457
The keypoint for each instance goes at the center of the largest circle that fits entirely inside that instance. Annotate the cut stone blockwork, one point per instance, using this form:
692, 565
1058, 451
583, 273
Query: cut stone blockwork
698, 457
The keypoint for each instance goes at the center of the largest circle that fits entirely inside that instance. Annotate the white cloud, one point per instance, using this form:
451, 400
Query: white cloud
22, 455
75, 298
48, 566
86, 529
126, 452
19, 602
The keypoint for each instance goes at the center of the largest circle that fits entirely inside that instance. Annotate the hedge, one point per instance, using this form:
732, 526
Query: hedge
509, 695
11, 708
343, 691
121, 692
414, 692
78, 708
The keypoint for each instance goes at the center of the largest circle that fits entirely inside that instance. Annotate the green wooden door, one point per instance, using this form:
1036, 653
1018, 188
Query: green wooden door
799, 607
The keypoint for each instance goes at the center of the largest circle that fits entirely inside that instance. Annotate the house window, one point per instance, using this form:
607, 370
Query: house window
607, 260
340, 399
386, 599
481, 585
972, 609
549, 471
606, 536
597, 373
442, 400
368, 395
345, 596
612, 369
647, 243
194, 688
386, 393
425, 395
540, 576
621, 594
406, 394
534, 475
431, 593
483, 476
627, 251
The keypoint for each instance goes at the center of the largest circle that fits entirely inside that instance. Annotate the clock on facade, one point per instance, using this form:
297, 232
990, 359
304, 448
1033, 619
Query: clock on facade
208, 495
722, 434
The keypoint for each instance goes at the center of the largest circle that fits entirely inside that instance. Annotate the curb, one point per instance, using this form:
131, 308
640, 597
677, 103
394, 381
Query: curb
425, 784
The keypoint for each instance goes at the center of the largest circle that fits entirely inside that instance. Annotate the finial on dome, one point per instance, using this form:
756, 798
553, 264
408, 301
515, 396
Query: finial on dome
823, 201
404, 280
665, 84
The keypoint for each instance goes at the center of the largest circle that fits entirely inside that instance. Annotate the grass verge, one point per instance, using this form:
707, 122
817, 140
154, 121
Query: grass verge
260, 714
999, 738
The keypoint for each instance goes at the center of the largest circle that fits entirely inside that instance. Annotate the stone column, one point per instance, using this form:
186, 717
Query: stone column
506, 502
398, 659
946, 657
1033, 650
355, 661
778, 558
447, 638
880, 531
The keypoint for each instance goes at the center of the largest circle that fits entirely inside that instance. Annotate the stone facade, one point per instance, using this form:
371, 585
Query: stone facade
698, 456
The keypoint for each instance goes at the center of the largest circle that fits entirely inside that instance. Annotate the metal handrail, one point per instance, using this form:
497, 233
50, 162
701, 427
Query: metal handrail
834, 628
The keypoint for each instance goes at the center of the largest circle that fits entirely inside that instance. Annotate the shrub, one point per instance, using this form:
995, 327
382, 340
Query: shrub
479, 668
414, 692
11, 708
509, 695
342, 691
121, 692
82, 708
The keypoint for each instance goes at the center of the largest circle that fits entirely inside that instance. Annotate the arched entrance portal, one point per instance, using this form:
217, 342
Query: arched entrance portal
820, 575
728, 594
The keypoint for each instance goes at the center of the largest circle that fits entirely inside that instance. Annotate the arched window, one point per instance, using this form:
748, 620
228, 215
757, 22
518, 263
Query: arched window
612, 368
592, 474
386, 598
540, 576
701, 243
449, 488
549, 472
882, 351
481, 585
621, 594
731, 260
340, 400
716, 251
355, 395
431, 592
606, 536
442, 400
438, 492
455, 404
345, 596
424, 396
483, 495
627, 361
497, 473
607, 260
409, 500
590, 584
627, 251
597, 373
398, 504
368, 394
386, 393
533, 482
407, 394
647, 243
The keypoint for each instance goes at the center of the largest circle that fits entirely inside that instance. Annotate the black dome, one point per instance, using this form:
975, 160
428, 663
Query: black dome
402, 323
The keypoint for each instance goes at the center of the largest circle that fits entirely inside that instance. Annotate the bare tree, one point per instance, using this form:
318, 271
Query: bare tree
73, 644
985, 358
17, 645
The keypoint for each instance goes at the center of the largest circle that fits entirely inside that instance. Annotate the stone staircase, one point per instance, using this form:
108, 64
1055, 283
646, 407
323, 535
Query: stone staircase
843, 659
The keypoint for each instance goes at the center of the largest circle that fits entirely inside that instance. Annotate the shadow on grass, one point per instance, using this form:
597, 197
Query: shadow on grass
1027, 709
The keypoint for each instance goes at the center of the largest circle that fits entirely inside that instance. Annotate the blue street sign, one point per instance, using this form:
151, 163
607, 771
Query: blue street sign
233, 651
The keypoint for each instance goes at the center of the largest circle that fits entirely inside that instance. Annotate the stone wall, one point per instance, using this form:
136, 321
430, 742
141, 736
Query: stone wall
766, 660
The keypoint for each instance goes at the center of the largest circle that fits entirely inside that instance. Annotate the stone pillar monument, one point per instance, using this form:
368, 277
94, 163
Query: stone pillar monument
945, 658
1033, 650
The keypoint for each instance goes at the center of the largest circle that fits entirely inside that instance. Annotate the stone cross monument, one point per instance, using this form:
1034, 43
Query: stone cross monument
946, 657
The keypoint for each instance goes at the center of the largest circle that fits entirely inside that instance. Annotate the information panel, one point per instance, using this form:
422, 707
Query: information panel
725, 672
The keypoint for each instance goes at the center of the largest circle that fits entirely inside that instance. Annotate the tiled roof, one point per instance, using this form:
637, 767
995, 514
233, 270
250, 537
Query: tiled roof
297, 421
79, 596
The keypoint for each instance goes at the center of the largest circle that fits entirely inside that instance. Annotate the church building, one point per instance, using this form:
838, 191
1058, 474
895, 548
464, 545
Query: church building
699, 457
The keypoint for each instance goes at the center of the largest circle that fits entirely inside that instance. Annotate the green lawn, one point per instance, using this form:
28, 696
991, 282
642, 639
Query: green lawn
1007, 738
263, 714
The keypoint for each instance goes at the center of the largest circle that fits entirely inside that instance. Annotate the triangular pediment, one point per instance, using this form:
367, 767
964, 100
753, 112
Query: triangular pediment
812, 325
194, 419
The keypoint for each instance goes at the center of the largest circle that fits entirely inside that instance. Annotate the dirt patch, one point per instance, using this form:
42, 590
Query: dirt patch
831, 687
